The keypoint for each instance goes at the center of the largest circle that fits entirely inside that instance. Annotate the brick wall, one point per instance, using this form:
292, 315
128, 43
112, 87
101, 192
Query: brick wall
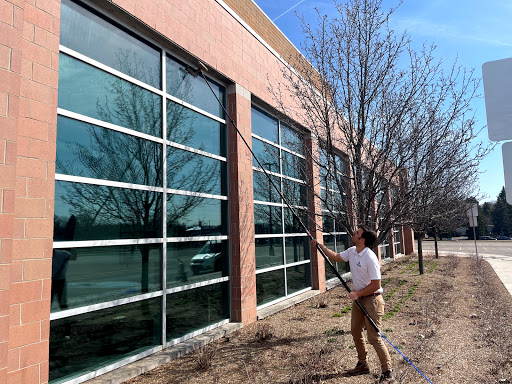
207, 31
243, 256
28, 99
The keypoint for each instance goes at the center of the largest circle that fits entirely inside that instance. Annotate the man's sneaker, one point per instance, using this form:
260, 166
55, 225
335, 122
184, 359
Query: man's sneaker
360, 369
386, 377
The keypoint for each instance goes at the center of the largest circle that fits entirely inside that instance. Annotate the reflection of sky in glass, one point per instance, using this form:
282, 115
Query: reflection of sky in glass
91, 151
94, 93
267, 155
192, 129
92, 36
264, 125
189, 171
293, 166
193, 90
292, 139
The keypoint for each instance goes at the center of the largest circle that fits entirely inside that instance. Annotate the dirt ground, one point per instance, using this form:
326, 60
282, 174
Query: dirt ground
454, 323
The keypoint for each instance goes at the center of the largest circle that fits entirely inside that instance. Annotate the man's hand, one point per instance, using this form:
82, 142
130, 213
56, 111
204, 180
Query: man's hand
353, 295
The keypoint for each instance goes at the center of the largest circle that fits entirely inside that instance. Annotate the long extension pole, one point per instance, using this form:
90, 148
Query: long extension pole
200, 70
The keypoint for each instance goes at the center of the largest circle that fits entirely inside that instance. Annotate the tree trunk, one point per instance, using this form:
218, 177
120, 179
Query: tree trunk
420, 252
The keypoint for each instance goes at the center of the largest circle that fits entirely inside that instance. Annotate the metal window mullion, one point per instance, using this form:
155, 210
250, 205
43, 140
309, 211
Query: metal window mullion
277, 145
193, 334
106, 125
195, 194
164, 199
107, 69
199, 284
105, 243
105, 183
92, 374
300, 262
194, 108
194, 238
196, 151
104, 305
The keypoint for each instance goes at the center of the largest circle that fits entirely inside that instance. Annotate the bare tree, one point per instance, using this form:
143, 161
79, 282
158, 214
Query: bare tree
400, 121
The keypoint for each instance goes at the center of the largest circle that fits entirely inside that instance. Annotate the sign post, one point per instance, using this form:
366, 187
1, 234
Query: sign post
472, 214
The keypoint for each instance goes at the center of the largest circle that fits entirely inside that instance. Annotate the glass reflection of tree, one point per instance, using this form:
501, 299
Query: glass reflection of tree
126, 158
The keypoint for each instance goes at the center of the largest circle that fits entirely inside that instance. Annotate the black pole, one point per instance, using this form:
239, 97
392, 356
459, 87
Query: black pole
420, 252
435, 242
200, 71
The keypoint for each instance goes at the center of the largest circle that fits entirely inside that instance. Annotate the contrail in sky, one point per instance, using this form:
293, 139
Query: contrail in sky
288, 10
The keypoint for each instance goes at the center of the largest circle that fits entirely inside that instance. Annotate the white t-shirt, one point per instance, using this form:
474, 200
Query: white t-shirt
364, 267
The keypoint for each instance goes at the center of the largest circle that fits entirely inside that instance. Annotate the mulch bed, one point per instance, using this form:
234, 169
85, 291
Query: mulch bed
454, 323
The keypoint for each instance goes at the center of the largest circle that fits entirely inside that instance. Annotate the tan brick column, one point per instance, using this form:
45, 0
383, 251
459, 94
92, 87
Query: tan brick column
29, 38
408, 240
315, 214
243, 261
11, 31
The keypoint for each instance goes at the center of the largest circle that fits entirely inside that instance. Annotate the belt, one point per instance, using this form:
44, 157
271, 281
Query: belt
373, 294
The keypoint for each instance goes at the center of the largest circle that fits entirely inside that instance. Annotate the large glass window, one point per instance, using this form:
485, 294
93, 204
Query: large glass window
89, 91
90, 151
92, 275
126, 147
196, 261
95, 212
83, 343
192, 89
337, 243
193, 309
101, 40
397, 239
279, 150
334, 204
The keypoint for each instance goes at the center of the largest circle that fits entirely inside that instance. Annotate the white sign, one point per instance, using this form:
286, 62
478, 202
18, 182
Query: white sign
472, 214
507, 169
497, 76
473, 211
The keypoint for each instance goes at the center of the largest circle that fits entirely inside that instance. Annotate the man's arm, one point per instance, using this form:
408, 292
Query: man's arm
368, 290
333, 256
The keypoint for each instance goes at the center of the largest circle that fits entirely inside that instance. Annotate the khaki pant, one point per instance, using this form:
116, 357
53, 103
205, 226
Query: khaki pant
374, 305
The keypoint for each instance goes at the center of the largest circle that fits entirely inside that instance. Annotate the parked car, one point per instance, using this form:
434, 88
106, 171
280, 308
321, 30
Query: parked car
487, 238
503, 238
209, 258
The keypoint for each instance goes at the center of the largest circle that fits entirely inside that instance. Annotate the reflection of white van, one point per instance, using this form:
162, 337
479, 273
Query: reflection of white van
209, 258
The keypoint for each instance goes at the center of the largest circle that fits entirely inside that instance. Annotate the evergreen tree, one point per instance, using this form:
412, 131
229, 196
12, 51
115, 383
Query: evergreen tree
502, 215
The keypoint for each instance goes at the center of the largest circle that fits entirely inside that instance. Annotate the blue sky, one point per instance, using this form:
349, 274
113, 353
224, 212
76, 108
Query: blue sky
474, 31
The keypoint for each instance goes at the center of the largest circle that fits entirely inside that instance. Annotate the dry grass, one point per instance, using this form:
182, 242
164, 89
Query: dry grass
453, 322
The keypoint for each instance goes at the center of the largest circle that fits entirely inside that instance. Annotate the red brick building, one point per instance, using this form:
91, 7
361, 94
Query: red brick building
122, 181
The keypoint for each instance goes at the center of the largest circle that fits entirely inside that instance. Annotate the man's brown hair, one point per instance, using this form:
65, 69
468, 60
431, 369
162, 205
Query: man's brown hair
369, 236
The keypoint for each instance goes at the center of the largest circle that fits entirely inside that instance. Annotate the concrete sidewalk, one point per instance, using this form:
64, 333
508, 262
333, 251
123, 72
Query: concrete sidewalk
502, 265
